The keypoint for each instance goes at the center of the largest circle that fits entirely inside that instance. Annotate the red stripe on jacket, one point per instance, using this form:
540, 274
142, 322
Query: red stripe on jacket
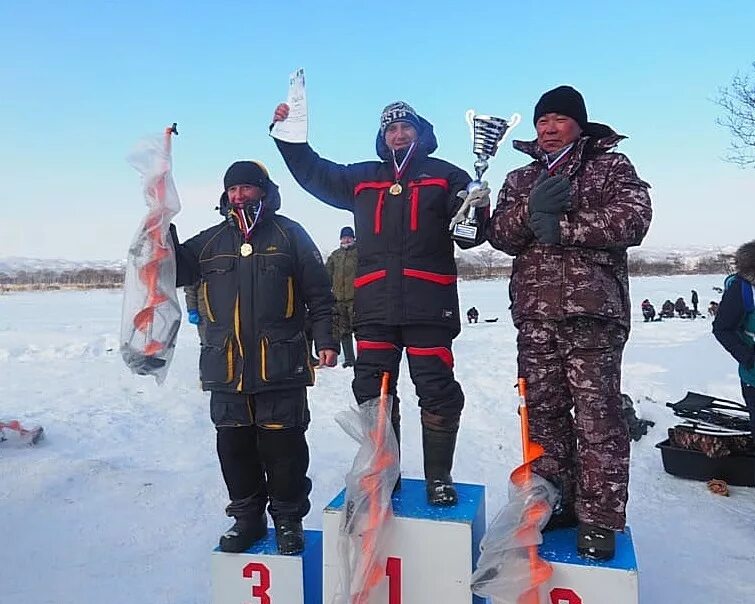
444, 354
414, 186
370, 277
428, 276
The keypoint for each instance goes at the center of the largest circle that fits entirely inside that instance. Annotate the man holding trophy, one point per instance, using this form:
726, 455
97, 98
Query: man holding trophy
405, 206
568, 217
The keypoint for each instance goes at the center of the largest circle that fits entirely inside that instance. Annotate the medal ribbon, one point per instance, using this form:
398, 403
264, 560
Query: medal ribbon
244, 225
398, 171
555, 162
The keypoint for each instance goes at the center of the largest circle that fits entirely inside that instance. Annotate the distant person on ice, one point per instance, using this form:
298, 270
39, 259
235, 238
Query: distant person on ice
667, 310
695, 299
342, 268
648, 310
712, 308
734, 325
568, 217
405, 291
681, 308
473, 315
259, 272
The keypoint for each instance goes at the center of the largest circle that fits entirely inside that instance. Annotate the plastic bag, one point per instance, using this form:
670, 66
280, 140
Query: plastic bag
507, 568
151, 312
367, 513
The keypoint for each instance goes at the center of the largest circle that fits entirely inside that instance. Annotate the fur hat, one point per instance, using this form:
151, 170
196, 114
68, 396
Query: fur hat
744, 261
346, 231
398, 112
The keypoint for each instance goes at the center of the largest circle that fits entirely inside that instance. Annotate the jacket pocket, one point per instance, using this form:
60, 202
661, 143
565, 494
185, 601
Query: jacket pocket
215, 282
430, 297
217, 363
284, 359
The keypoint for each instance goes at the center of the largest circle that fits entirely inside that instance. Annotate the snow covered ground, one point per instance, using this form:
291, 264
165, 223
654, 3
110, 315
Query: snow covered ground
123, 501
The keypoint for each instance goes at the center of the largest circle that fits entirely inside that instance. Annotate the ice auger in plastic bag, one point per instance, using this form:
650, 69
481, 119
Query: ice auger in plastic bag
151, 312
12, 431
367, 513
510, 570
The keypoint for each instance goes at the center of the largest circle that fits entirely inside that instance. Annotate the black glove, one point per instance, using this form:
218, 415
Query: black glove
545, 227
551, 194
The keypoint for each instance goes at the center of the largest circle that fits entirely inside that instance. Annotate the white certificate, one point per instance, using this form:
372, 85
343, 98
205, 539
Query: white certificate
294, 128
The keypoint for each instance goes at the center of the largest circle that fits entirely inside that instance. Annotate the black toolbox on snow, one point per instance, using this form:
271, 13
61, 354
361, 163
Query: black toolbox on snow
736, 470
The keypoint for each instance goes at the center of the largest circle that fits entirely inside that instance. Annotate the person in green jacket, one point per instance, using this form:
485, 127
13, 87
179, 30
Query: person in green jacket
342, 268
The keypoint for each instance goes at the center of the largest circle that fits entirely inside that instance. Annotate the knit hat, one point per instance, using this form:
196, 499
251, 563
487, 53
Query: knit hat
246, 173
564, 100
347, 231
398, 112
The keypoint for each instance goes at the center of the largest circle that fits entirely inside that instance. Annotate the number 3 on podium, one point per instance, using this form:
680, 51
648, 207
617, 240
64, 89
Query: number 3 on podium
260, 590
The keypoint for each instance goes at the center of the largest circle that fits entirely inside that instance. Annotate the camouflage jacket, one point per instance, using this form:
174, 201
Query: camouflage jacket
342, 268
586, 274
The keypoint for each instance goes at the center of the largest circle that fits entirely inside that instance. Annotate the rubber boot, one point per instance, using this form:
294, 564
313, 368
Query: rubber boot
438, 448
347, 345
595, 542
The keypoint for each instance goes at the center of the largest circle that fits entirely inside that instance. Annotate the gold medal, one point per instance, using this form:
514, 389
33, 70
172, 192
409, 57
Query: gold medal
395, 189
246, 249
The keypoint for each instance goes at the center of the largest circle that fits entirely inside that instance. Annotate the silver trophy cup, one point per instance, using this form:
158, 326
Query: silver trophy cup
487, 133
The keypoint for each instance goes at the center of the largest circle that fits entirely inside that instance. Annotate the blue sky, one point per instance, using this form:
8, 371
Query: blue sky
81, 82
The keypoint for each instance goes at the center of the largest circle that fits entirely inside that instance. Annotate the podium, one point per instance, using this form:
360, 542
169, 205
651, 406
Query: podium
262, 576
577, 580
432, 550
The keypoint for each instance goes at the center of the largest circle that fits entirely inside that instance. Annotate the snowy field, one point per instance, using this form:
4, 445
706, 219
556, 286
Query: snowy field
123, 502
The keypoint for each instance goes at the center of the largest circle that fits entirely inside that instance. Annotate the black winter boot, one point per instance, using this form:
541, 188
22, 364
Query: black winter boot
595, 542
438, 448
565, 517
243, 534
347, 344
289, 534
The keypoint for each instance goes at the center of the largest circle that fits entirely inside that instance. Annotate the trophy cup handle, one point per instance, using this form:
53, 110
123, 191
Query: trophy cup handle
513, 122
470, 121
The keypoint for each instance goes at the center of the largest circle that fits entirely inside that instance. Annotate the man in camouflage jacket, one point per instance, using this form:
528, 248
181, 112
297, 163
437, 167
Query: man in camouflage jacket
568, 218
342, 268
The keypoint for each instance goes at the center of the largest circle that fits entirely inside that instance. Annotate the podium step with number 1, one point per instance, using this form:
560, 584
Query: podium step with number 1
432, 550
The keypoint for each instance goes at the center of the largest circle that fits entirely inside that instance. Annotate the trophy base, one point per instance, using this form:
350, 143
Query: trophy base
466, 233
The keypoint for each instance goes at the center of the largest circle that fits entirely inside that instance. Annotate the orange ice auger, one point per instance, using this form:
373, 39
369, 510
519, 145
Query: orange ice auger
537, 512
510, 570
151, 313
370, 483
368, 512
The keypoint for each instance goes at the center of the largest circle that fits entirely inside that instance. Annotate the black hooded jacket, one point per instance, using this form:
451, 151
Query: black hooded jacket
256, 304
406, 273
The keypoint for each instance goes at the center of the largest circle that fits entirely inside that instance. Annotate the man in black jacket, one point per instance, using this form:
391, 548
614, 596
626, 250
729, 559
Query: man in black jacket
405, 288
259, 274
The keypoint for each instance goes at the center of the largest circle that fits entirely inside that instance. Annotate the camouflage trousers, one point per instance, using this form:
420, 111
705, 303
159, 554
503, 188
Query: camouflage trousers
344, 319
576, 364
